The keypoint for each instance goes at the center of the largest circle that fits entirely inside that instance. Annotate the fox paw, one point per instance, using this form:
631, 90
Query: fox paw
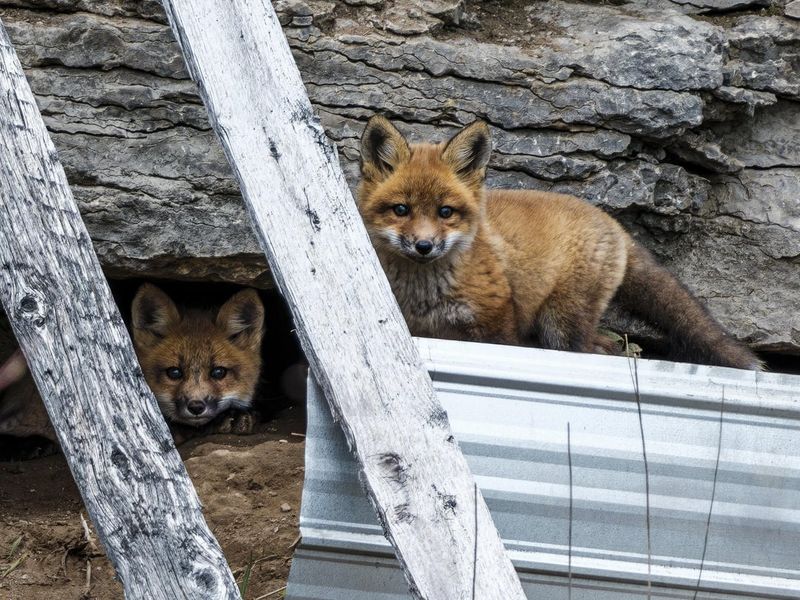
606, 345
237, 423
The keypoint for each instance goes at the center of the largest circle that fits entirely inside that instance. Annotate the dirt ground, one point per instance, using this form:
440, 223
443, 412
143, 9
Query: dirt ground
250, 489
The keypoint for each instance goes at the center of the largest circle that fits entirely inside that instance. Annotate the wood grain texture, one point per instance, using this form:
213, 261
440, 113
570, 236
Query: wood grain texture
116, 442
348, 321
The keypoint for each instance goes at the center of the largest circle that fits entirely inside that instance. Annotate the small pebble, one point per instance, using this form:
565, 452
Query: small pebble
285, 507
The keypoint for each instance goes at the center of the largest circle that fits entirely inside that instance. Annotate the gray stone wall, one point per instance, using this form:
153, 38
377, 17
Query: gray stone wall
681, 118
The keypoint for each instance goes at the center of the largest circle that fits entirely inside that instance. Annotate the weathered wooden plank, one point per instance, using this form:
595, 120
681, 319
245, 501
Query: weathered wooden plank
347, 319
116, 442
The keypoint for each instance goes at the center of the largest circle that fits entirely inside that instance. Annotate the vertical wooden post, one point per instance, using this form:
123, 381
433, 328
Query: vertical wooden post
348, 321
116, 442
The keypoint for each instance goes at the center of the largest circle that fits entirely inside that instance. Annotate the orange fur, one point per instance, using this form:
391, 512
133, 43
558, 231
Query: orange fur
516, 267
195, 342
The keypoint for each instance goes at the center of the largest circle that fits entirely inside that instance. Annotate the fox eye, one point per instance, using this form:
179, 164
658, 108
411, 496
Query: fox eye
175, 373
446, 212
401, 210
218, 373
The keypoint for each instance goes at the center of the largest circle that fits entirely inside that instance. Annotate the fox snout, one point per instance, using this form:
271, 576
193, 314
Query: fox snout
424, 247
196, 407
427, 249
193, 408
421, 249
200, 408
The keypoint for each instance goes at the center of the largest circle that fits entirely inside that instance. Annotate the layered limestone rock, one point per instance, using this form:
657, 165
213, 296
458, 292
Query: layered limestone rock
681, 118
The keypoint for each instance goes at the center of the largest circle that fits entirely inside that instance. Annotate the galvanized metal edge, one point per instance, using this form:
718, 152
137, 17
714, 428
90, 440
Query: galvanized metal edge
709, 432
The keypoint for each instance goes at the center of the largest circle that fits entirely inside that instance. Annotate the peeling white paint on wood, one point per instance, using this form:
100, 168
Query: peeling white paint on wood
347, 319
117, 444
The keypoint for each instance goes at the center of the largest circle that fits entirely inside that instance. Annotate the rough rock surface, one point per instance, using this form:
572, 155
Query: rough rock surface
682, 118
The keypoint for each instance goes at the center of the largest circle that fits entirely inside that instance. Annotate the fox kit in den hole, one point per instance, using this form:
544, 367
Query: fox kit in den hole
200, 363
513, 267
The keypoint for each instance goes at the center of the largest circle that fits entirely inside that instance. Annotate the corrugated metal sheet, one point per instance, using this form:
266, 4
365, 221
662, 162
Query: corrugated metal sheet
707, 431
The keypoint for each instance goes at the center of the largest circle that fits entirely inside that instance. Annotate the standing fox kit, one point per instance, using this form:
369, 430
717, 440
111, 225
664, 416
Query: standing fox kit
513, 267
199, 363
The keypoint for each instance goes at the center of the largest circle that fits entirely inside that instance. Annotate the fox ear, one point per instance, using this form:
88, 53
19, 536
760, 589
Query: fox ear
152, 313
242, 318
468, 151
383, 148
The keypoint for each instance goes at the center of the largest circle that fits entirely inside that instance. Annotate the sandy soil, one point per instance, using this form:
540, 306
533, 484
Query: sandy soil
249, 485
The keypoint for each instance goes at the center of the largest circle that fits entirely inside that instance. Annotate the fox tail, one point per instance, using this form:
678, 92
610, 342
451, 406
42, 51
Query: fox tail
654, 294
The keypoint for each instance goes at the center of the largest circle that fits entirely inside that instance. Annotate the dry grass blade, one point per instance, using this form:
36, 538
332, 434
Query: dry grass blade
713, 496
475, 549
14, 547
245, 583
571, 501
87, 588
635, 379
272, 593
14, 565
87, 534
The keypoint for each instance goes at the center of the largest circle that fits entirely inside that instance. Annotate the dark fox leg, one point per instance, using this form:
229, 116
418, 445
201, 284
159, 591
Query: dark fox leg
568, 323
553, 333
653, 293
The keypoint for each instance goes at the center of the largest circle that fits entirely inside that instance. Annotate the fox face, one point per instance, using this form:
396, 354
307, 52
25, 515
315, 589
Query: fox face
422, 202
198, 363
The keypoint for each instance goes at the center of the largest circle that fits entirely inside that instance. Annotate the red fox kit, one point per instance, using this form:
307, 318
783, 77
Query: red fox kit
198, 363
513, 267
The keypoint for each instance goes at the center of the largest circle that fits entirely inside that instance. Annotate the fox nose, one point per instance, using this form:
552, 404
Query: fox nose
424, 247
196, 407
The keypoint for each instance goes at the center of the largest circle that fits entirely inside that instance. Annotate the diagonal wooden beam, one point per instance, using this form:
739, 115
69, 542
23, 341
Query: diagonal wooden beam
348, 321
116, 442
